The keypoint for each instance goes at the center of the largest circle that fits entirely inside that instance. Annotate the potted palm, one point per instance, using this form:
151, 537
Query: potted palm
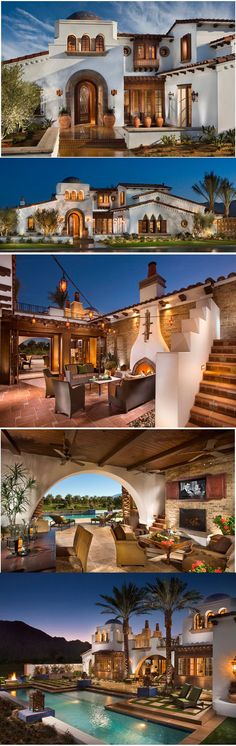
16, 486
64, 119
109, 118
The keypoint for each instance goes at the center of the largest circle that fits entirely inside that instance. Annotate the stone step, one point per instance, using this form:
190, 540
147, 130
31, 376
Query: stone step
203, 418
219, 367
222, 357
222, 342
216, 404
209, 375
219, 389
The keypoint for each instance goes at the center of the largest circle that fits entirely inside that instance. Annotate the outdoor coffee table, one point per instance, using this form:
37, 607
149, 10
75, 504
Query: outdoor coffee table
101, 381
41, 557
167, 547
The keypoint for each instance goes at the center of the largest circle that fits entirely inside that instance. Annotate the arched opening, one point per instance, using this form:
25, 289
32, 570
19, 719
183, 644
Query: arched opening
31, 223
71, 43
81, 195
67, 194
143, 225
198, 622
85, 103
223, 611
152, 224
161, 225
75, 227
99, 43
208, 622
84, 496
73, 195
154, 666
85, 43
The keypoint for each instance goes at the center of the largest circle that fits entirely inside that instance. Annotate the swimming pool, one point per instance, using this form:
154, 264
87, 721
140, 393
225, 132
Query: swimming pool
86, 711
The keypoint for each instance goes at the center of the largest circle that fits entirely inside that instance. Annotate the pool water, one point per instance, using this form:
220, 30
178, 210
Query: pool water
76, 516
86, 711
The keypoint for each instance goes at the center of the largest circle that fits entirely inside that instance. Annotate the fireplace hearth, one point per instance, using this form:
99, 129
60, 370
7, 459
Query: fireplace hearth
193, 519
144, 366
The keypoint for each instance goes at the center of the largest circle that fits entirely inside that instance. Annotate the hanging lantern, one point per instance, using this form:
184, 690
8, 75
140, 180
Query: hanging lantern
63, 284
91, 315
33, 320
67, 324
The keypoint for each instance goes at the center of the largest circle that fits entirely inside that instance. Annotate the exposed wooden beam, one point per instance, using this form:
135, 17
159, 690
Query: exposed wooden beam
169, 451
116, 449
12, 442
5, 271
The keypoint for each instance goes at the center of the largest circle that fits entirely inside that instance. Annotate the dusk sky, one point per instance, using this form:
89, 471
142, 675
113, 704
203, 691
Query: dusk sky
111, 281
36, 180
86, 484
29, 26
65, 605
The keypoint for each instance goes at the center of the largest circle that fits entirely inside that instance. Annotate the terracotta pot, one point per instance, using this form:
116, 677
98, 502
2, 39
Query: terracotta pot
159, 121
147, 121
64, 121
136, 122
109, 120
6, 143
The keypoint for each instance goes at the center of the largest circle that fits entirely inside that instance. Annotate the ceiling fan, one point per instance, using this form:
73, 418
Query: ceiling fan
66, 453
210, 451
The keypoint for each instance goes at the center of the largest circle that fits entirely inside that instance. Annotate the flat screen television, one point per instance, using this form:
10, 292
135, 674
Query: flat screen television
193, 489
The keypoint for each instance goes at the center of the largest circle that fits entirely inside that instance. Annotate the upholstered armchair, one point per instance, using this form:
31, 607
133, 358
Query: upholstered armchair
128, 551
49, 378
216, 554
68, 399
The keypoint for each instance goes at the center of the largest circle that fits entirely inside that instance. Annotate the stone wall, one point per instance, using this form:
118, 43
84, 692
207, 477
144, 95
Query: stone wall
225, 297
213, 507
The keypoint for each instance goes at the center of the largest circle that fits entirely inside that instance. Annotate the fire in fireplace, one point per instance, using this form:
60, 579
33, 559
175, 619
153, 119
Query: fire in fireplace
193, 519
144, 366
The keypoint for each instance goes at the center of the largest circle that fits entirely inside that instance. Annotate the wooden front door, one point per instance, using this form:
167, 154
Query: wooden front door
85, 103
74, 228
185, 105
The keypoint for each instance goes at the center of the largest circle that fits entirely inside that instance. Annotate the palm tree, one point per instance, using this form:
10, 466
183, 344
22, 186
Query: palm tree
126, 601
208, 188
59, 297
227, 192
169, 596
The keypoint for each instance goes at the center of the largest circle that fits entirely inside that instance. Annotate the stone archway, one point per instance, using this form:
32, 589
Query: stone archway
154, 663
75, 225
87, 97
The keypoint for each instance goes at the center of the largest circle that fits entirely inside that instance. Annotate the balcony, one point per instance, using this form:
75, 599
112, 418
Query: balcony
145, 64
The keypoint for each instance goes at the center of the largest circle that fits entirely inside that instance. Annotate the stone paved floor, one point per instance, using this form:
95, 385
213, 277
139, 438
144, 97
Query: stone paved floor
24, 405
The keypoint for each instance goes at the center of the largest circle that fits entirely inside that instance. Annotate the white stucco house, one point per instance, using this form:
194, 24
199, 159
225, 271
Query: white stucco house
185, 76
85, 211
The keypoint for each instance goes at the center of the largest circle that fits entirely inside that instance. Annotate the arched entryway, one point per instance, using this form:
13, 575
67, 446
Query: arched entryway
85, 103
87, 97
153, 666
75, 224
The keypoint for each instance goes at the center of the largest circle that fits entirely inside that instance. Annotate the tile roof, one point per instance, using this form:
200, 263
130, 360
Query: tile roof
202, 20
154, 202
212, 62
222, 40
24, 57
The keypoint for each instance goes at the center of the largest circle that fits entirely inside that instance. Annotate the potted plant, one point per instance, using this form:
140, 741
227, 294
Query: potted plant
147, 120
64, 119
159, 120
136, 121
201, 566
226, 524
16, 485
109, 118
111, 363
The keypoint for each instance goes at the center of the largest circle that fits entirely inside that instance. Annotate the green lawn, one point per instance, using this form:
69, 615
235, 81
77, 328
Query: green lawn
224, 733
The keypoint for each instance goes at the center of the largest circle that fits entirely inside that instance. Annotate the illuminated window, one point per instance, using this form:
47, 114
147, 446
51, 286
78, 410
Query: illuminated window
185, 48
73, 195
99, 43
143, 225
222, 611
31, 224
150, 52
209, 624
198, 622
152, 224
85, 43
122, 198
140, 51
71, 43
103, 199
80, 195
67, 194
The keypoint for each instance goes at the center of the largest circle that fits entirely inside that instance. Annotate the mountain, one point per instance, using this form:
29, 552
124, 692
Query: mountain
21, 642
219, 208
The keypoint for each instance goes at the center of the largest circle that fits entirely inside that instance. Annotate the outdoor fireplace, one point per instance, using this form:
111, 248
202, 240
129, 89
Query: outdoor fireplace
144, 366
193, 519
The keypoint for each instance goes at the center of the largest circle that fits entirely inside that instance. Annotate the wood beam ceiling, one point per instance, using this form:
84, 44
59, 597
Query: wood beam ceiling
116, 449
187, 445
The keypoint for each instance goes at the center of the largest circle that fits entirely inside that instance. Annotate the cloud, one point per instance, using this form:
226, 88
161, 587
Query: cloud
24, 33
158, 17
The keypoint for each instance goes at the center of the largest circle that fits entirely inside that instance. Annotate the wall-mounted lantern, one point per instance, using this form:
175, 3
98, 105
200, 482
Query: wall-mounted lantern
233, 664
194, 96
63, 284
59, 92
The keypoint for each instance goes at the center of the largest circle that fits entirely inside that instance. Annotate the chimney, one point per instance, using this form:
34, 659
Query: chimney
146, 624
157, 627
22, 202
77, 296
153, 286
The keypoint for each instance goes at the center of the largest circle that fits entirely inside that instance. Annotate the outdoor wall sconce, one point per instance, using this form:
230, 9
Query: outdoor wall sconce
171, 95
59, 92
67, 324
102, 325
113, 92
182, 296
63, 285
33, 320
163, 303
109, 330
233, 664
90, 314
194, 96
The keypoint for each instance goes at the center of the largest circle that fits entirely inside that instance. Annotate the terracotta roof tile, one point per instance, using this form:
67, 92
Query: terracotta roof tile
24, 57
212, 62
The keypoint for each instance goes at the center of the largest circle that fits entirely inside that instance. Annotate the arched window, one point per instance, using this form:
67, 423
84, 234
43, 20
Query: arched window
198, 622
99, 43
71, 43
222, 611
67, 194
85, 43
31, 223
80, 195
143, 225
208, 623
152, 224
74, 195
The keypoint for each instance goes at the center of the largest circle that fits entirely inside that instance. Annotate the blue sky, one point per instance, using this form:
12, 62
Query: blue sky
111, 281
28, 27
68, 608
86, 484
36, 180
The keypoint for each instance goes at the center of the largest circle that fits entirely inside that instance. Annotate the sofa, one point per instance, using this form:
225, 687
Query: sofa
128, 551
218, 553
131, 392
76, 373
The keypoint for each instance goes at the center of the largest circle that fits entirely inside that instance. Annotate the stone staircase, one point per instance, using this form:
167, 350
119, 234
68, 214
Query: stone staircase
215, 403
159, 524
72, 147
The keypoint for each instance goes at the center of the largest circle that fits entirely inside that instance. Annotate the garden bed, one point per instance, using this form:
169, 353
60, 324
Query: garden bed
185, 150
15, 731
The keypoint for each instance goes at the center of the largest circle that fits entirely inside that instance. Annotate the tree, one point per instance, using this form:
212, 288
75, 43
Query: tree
16, 486
59, 297
209, 189
169, 596
227, 192
47, 221
8, 220
19, 100
202, 223
123, 604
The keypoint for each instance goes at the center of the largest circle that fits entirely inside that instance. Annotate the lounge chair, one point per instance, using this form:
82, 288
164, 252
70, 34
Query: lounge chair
76, 555
58, 521
191, 700
185, 689
104, 519
68, 399
49, 378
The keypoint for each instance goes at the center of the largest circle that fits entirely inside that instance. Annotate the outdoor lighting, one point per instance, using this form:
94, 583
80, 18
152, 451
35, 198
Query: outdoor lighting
109, 330
113, 92
90, 314
67, 324
234, 666
33, 320
59, 92
194, 96
63, 284
102, 325
171, 95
